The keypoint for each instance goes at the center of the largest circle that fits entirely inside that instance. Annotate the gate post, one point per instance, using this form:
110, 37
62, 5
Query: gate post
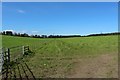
8, 55
1, 60
7, 63
23, 50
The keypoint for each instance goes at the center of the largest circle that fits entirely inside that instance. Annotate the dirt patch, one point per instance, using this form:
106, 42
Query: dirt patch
104, 66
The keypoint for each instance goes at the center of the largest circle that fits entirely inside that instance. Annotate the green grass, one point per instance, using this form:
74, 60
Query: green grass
55, 56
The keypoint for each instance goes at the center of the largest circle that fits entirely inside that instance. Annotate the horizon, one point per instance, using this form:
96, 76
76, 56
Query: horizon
76, 18
59, 34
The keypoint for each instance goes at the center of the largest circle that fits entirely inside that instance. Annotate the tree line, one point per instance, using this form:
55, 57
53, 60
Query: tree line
104, 34
10, 33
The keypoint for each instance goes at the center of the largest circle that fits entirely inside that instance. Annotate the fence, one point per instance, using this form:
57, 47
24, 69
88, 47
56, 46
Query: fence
8, 55
18, 52
1, 59
25, 49
6, 60
10, 72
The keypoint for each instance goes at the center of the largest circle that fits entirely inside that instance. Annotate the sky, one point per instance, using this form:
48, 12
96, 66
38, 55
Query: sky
64, 18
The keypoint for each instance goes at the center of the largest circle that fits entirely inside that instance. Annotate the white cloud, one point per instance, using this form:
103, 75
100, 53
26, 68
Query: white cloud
9, 30
21, 11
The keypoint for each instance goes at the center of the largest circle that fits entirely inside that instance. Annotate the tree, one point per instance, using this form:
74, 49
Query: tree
9, 33
3, 33
24, 35
15, 34
44, 36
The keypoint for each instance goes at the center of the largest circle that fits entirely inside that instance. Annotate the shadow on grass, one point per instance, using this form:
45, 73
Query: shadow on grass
18, 69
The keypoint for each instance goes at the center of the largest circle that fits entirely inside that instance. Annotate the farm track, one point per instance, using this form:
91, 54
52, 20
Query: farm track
103, 66
99, 67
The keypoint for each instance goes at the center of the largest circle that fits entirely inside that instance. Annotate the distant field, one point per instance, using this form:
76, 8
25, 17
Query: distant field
80, 57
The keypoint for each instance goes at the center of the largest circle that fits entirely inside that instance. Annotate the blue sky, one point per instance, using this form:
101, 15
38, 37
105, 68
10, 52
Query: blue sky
60, 17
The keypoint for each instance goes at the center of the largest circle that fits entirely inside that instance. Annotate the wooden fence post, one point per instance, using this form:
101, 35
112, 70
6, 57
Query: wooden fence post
7, 63
1, 59
3, 51
8, 55
3, 55
23, 50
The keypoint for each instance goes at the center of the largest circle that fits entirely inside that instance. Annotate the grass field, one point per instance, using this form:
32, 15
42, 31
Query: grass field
81, 57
